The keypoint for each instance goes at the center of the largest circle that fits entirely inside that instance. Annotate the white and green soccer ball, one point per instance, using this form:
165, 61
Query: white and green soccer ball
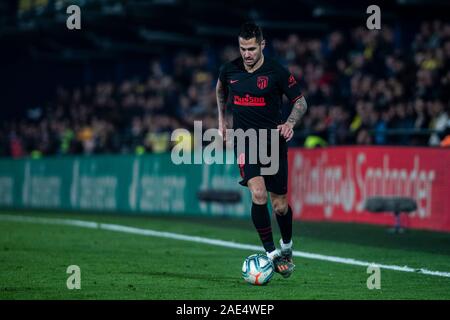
257, 269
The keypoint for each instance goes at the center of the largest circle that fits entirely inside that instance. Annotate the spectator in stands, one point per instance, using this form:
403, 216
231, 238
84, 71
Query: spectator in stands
439, 121
338, 127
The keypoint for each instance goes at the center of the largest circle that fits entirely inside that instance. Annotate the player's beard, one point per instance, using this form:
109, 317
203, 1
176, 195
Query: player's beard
251, 63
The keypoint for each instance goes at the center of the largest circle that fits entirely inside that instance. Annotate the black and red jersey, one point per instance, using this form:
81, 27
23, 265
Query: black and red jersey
256, 98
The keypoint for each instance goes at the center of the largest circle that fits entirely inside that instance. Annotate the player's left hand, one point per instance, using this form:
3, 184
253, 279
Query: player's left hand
286, 130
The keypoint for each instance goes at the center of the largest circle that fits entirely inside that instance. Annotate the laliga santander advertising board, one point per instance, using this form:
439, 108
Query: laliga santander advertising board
333, 183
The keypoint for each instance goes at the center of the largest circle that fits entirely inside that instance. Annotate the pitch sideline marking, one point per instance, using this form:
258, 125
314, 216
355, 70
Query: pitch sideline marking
222, 243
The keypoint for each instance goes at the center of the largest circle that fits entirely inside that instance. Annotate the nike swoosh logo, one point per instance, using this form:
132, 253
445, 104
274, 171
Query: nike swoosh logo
233, 81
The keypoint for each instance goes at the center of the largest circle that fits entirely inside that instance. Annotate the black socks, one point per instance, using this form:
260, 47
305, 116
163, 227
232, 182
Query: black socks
285, 223
261, 220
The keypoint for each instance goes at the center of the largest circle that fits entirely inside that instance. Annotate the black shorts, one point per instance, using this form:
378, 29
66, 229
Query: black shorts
276, 183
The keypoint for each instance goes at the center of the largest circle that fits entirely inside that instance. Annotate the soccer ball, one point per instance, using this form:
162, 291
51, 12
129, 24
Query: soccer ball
257, 269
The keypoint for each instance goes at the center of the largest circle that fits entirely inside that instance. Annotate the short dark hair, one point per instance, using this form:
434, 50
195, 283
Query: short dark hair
250, 30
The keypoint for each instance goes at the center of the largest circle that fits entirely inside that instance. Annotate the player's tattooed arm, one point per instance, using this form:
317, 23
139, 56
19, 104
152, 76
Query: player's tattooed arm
221, 99
298, 110
221, 96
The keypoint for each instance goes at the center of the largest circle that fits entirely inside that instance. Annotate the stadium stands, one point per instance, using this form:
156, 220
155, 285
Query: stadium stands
363, 87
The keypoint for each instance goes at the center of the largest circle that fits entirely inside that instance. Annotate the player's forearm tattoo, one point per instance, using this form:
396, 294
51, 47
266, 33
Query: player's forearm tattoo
221, 99
298, 110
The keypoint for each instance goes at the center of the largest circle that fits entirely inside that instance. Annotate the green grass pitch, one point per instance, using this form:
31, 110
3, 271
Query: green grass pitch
114, 265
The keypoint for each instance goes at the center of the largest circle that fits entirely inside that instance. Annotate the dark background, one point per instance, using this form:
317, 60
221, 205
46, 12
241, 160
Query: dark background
118, 37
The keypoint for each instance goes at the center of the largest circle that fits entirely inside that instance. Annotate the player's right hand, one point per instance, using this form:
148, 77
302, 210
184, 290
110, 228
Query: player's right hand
286, 130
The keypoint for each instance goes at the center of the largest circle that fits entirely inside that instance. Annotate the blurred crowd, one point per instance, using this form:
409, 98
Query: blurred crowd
366, 88
362, 87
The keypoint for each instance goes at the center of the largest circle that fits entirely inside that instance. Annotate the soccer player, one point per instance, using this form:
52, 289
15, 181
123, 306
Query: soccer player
256, 85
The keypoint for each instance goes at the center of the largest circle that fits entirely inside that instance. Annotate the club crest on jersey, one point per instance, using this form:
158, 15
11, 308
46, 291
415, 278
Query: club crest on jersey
291, 81
262, 82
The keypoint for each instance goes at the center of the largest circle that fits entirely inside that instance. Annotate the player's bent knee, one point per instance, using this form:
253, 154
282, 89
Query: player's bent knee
280, 208
259, 196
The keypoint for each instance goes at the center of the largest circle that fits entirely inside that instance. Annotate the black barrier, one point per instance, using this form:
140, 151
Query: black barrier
396, 205
221, 196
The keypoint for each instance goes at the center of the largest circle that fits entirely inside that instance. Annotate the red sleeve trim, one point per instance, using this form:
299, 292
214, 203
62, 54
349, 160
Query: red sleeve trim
295, 99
